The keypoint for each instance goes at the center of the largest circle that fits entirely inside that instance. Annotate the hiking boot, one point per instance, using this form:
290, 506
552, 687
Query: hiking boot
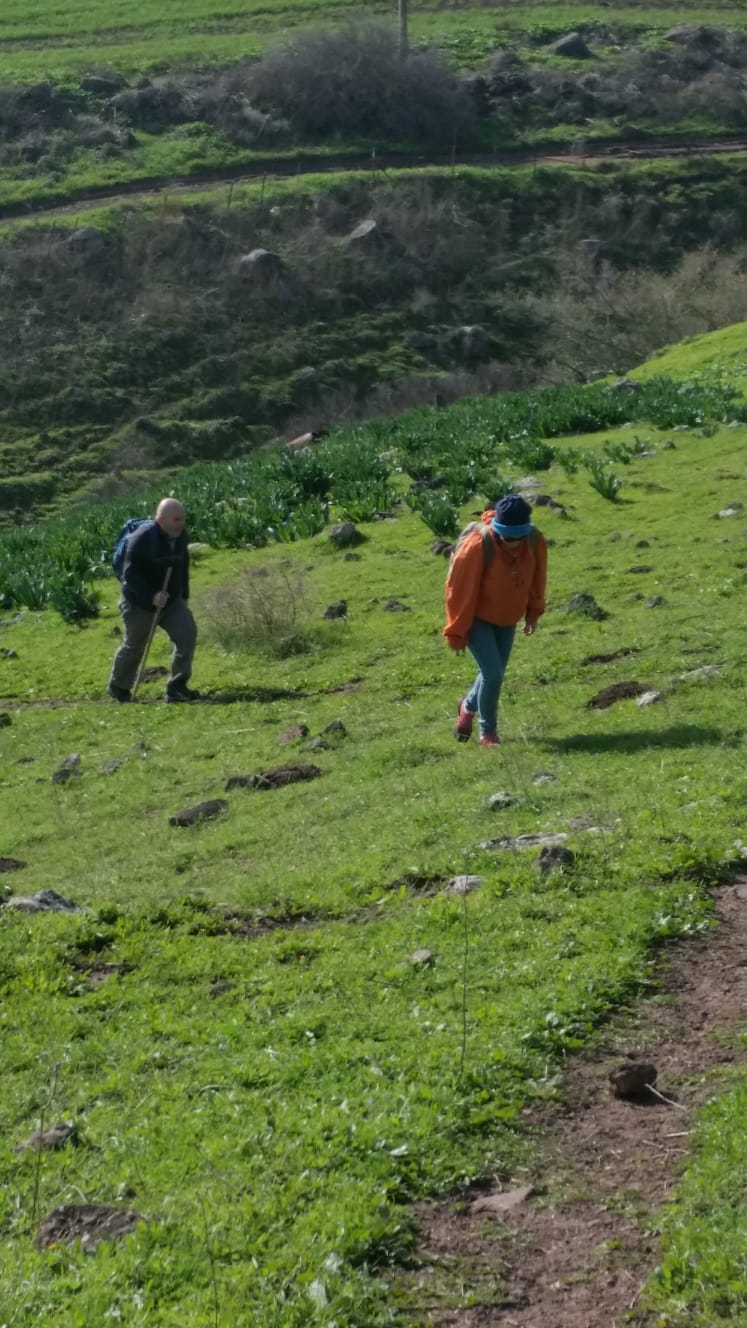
490, 740
463, 726
179, 691
120, 694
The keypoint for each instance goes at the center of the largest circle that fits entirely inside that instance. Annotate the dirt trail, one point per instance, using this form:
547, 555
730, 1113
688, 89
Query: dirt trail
137, 191
582, 1260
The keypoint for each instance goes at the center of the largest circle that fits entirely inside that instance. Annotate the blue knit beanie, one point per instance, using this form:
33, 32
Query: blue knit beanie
513, 517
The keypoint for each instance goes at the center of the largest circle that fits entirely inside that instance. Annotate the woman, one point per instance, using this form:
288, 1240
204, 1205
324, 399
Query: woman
497, 577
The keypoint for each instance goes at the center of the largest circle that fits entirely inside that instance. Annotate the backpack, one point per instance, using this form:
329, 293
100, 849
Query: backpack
488, 543
120, 548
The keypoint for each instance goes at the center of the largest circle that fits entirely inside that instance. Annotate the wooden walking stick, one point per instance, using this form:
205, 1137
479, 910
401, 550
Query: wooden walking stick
151, 634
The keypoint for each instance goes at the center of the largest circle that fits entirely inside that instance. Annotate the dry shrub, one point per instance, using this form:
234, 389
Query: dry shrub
266, 607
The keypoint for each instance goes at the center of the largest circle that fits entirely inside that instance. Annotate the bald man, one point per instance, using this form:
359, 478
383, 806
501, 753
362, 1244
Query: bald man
153, 549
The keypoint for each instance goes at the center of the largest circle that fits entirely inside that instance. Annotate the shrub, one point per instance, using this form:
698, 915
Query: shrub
266, 607
606, 482
353, 82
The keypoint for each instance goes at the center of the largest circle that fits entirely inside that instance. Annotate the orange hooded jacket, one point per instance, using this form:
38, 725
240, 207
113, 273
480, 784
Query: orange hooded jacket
511, 587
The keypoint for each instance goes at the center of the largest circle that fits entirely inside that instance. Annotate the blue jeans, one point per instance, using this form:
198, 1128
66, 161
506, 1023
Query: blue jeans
490, 647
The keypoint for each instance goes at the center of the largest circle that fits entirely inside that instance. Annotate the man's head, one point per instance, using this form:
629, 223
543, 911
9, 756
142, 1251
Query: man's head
170, 517
513, 517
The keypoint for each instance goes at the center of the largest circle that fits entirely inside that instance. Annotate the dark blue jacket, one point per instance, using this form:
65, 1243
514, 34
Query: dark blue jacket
149, 555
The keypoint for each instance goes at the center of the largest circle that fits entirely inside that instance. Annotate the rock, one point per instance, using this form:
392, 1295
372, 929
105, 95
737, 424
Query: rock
89, 1223
649, 698
473, 344
396, 606
5, 720
54, 1137
500, 801
10, 864
88, 242
632, 1078
573, 46
643, 544
109, 767
655, 602
336, 727
8, 654
442, 547
293, 734
343, 534
693, 34
464, 885
203, 811
608, 657
337, 610
421, 959
732, 510
640, 568
554, 857
294, 773
367, 230
525, 841
317, 745
198, 548
351, 557
586, 605
619, 691
102, 87
544, 777
115, 630
496, 1205
706, 671
44, 901
627, 385
261, 263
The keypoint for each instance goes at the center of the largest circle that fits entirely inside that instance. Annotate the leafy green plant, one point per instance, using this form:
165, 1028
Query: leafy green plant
606, 482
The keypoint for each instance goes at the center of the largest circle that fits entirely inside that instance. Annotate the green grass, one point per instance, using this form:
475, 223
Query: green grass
273, 1132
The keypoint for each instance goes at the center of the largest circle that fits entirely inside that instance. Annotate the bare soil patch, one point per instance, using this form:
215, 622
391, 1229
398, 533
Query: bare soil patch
579, 1244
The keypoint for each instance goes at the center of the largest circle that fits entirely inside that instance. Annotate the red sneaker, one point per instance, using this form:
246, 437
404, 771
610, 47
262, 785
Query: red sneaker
490, 740
463, 726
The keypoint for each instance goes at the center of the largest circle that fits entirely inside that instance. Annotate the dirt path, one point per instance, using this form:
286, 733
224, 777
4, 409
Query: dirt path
571, 155
578, 1252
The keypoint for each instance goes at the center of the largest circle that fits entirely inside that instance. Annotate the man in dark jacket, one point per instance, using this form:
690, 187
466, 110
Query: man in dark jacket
155, 548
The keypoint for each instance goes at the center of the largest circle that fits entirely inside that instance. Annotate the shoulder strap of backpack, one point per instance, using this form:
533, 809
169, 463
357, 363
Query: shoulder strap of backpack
488, 546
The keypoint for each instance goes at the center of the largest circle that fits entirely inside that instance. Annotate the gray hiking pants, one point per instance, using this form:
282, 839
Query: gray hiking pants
178, 623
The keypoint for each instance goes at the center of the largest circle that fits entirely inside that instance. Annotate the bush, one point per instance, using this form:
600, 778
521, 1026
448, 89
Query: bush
353, 82
267, 607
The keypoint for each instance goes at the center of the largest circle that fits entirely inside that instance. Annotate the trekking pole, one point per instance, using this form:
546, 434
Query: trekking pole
151, 634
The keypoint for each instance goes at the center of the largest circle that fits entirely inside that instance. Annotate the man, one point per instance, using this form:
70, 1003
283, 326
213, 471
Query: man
497, 576
153, 549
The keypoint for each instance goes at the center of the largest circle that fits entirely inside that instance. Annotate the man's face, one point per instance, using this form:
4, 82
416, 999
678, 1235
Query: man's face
171, 521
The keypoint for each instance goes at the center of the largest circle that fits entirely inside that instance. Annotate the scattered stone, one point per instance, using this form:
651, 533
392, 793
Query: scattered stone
643, 544
294, 773
220, 988
573, 46
8, 654
115, 630
337, 610
544, 777
632, 1079
44, 901
396, 606
608, 658
103, 87
365, 230
203, 811
343, 533
261, 263
640, 568
198, 548
154, 673
55, 1137
317, 745
732, 510
554, 857
336, 727
10, 864
89, 1223
109, 767
464, 885
619, 691
442, 548
586, 605
516, 842
706, 671
88, 241
5, 720
498, 802
351, 557
649, 698
293, 734
496, 1205
627, 385
421, 959
655, 602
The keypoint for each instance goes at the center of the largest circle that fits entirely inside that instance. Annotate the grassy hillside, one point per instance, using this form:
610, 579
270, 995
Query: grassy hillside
235, 1022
